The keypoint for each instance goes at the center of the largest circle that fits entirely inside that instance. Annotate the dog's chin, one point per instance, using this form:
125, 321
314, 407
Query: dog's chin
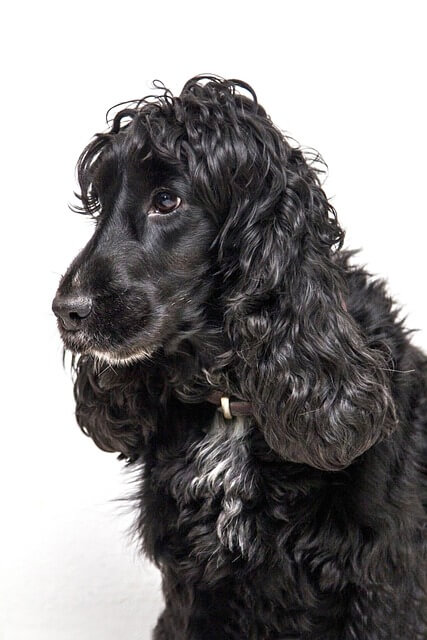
117, 359
80, 344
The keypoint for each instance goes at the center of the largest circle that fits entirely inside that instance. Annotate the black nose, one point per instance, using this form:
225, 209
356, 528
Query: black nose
71, 310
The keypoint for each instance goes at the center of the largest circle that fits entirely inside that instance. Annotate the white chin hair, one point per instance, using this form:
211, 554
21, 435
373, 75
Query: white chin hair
112, 358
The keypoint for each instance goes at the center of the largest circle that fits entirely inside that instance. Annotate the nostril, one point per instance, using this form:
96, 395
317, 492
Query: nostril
81, 309
72, 310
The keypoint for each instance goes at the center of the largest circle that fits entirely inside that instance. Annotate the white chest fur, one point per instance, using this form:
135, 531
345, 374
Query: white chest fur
222, 465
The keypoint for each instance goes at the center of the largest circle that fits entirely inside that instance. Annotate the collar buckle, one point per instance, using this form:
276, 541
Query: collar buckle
225, 408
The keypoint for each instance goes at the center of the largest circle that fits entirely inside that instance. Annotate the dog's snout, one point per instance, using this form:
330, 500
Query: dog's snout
71, 310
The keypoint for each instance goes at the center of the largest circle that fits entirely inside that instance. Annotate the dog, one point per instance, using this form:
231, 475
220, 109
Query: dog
259, 382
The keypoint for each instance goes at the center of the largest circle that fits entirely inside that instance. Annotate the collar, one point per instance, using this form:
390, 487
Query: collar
229, 408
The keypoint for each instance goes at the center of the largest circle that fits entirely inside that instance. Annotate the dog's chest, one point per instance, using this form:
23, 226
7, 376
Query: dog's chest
212, 483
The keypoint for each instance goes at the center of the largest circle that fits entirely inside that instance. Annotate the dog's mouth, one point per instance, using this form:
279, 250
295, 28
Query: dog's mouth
78, 341
106, 349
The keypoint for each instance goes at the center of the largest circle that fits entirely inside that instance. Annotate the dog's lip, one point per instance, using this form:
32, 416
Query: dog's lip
75, 339
64, 329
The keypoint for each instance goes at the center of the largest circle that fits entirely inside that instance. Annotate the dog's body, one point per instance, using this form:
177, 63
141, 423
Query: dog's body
303, 520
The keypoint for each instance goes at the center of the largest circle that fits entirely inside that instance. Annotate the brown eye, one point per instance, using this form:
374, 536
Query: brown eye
165, 202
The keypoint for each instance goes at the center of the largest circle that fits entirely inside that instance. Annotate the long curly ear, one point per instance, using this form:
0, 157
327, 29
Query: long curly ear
320, 392
112, 407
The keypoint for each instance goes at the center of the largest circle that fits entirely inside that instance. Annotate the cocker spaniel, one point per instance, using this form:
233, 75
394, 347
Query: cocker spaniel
263, 386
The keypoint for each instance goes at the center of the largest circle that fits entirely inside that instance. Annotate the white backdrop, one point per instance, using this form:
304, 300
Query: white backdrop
345, 78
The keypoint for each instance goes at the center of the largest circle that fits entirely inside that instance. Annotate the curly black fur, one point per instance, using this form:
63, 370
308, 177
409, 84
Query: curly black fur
306, 520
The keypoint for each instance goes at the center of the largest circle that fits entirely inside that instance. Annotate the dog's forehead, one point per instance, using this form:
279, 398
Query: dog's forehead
155, 169
123, 157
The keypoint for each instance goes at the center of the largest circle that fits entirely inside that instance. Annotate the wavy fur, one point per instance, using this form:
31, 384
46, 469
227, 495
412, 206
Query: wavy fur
304, 521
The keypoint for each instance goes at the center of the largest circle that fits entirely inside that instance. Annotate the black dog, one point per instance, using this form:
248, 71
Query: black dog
265, 387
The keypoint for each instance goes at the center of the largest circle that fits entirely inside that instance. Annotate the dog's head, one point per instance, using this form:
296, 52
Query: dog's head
143, 278
208, 219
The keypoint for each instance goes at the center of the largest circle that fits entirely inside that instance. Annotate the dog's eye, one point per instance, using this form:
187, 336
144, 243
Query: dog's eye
164, 202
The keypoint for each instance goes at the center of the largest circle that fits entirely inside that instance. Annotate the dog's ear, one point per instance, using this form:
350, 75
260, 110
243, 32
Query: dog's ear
320, 392
112, 408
